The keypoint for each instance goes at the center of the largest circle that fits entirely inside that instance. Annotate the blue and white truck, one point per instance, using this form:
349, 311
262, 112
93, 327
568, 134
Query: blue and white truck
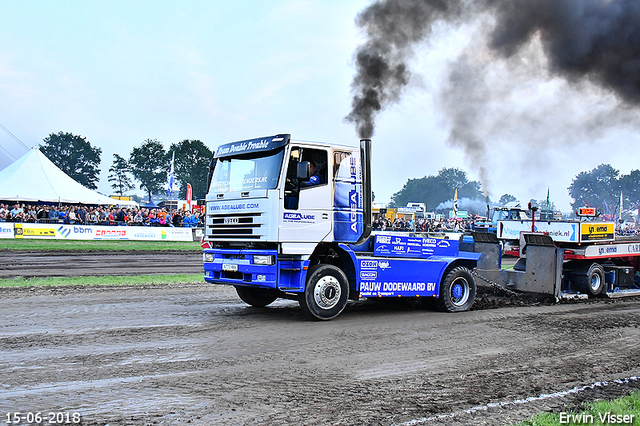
274, 231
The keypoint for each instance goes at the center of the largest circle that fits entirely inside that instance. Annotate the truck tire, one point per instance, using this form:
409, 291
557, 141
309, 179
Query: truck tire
457, 290
592, 281
326, 292
258, 297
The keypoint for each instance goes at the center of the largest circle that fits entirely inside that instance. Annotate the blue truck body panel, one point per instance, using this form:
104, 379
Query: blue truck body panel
399, 266
403, 266
348, 212
395, 277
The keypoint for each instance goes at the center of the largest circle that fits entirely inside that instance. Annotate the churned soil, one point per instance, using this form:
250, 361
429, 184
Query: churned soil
194, 353
20, 263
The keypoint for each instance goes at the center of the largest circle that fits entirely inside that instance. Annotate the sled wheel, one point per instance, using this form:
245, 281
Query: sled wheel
258, 297
457, 290
326, 292
592, 282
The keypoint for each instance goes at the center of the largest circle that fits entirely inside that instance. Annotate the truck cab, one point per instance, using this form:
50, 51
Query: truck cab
292, 219
419, 208
261, 196
510, 211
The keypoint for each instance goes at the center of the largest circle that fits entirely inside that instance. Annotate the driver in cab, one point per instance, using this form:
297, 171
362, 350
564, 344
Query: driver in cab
314, 179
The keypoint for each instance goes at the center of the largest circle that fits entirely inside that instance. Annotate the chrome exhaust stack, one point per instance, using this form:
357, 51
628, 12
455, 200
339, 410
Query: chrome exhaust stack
365, 161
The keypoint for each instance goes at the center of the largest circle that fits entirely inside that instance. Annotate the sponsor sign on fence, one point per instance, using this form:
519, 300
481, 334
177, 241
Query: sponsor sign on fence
6, 230
87, 232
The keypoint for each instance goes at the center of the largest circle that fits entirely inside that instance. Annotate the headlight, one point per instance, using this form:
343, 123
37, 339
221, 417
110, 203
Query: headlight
263, 260
207, 257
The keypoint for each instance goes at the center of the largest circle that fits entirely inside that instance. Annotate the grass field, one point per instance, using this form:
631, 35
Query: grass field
103, 280
37, 245
59, 245
595, 413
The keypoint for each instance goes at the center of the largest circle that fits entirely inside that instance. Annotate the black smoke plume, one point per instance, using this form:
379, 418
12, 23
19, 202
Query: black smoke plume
392, 29
582, 41
594, 39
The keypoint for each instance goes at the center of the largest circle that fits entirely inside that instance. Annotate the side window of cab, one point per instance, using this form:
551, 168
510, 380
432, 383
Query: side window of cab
307, 169
317, 163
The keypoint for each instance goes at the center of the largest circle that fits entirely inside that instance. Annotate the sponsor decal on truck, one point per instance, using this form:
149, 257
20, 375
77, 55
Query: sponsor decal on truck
298, 218
596, 231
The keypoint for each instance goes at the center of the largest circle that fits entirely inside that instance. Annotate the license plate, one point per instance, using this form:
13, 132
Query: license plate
229, 267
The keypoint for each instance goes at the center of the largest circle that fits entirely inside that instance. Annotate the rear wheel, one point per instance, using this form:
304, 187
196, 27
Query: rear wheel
592, 281
457, 290
258, 297
326, 292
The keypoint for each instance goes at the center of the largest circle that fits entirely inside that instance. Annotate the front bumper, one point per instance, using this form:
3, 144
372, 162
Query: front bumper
238, 267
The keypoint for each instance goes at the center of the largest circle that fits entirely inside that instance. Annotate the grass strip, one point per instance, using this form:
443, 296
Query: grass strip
90, 245
103, 280
595, 413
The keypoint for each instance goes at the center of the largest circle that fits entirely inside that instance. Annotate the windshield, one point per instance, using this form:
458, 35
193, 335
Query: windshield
500, 215
247, 173
509, 215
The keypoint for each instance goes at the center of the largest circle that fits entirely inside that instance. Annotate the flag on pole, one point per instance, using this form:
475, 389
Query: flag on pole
620, 218
548, 203
189, 195
170, 177
455, 205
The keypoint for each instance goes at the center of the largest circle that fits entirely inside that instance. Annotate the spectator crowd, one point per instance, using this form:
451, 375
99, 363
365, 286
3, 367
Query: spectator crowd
423, 225
462, 225
91, 215
627, 229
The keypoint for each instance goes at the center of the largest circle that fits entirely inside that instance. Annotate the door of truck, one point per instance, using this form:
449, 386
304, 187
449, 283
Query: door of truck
306, 210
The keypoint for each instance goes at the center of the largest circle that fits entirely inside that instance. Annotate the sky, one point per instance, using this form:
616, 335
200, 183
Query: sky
120, 72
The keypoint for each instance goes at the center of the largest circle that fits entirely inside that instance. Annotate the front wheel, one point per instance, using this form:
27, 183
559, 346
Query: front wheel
457, 290
258, 297
326, 292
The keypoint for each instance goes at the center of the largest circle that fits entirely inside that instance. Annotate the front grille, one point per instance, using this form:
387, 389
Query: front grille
246, 226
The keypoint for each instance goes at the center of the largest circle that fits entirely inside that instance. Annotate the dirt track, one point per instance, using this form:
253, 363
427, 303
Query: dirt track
195, 353
17, 263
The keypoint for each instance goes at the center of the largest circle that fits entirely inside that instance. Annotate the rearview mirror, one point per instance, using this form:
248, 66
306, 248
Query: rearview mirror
304, 170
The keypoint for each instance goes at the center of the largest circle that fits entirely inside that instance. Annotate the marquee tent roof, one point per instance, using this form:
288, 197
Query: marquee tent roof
33, 177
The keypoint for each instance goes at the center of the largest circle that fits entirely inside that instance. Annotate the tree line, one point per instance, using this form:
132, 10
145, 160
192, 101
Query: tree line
600, 188
147, 165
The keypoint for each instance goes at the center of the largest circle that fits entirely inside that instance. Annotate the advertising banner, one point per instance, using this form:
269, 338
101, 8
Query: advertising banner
597, 231
563, 231
609, 250
6, 230
189, 195
560, 231
88, 232
31, 230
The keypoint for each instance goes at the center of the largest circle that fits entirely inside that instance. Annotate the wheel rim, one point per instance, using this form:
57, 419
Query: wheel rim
327, 292
595, 282
459, 291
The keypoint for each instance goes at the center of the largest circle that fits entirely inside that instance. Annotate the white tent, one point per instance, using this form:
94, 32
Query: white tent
124, 203
33, 177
